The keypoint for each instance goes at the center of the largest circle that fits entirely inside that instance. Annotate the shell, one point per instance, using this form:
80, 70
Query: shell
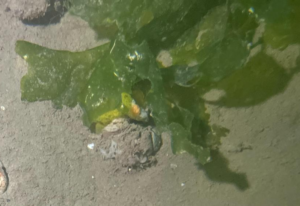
156, 141
3, 179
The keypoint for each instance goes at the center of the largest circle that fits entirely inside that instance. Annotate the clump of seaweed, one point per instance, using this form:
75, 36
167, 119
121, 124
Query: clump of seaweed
209, 45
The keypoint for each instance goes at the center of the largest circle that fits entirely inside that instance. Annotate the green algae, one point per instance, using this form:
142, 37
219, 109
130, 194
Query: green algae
212, 45
117, 73
126, 17
59, 76
218, 50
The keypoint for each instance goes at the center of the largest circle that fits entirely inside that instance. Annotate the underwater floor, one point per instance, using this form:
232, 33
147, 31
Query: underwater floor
47, 160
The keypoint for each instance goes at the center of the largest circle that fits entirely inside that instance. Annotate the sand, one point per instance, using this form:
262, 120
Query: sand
47, 160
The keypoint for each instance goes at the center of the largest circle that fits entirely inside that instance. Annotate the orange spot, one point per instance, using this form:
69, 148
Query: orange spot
135, 110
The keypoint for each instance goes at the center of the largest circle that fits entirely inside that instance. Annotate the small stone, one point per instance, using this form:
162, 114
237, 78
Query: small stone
91, 146
2, 108
143, 160
173, 166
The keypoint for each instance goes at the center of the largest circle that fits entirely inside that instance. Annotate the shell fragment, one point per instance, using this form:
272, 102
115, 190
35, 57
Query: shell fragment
3, 179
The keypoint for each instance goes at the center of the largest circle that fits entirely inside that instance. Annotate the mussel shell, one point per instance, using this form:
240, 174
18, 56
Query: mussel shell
156, 141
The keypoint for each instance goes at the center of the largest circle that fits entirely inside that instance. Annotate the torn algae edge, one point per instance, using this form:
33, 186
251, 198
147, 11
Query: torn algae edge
96, 79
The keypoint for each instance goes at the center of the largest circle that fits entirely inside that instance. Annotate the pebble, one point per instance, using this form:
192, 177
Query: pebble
91, 146
173, 166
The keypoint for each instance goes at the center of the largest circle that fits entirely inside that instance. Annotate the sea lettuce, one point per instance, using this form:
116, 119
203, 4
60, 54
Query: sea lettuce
108, 17
101, 81
212, 45
59, 76
218, 50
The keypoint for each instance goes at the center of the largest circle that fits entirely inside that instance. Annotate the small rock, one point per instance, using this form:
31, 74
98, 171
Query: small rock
143, 159
28, 9
173, 166
131, 145
91, 146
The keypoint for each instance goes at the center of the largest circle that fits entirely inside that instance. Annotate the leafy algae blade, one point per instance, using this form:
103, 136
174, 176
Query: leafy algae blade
54, 75
108, 18
218, 50
120, 69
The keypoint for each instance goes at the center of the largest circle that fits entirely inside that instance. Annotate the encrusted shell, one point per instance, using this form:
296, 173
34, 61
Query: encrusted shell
3, 179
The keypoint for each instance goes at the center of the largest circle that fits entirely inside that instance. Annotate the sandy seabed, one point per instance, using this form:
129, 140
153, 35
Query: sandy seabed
48, 163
